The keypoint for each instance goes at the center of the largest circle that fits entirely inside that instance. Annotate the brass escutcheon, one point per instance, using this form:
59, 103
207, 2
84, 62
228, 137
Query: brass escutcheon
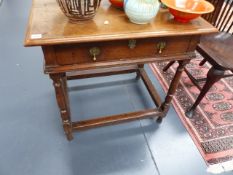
161, 46
94, 51
132, 43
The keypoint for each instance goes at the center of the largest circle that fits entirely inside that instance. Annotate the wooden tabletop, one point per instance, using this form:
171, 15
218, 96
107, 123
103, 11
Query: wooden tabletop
48, 25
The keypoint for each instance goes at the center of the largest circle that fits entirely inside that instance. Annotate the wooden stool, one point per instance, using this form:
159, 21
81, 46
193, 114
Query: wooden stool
217, 49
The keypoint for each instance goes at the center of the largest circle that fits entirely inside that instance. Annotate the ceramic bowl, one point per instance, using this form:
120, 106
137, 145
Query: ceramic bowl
117, 3
79, 10
186, 10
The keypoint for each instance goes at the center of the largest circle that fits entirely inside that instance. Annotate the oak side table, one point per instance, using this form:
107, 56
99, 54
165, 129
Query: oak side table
108, 45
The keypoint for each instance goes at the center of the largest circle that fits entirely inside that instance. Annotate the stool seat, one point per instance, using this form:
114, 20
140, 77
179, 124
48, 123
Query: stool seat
219, 49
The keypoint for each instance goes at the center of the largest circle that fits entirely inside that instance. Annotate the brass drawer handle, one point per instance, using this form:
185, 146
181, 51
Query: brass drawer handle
94, 51
132, 43
161, 46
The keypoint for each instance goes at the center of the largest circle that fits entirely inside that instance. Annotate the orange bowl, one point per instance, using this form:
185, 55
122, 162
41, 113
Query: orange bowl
186, 10
117, 3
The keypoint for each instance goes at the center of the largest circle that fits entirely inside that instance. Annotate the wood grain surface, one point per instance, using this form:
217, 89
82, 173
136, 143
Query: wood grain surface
48, 26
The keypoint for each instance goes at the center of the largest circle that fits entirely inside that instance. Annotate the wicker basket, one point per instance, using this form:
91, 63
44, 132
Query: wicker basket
79, 10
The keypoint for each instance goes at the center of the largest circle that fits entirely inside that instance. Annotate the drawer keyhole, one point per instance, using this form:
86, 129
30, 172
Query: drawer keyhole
132, 43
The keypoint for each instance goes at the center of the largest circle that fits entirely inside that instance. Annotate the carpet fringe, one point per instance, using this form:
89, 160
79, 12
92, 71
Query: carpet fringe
221, 167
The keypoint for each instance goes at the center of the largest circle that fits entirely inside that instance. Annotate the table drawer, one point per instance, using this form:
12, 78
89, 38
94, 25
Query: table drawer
120, 50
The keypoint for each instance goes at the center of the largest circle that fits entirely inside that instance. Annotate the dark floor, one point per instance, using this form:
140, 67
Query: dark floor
31, 137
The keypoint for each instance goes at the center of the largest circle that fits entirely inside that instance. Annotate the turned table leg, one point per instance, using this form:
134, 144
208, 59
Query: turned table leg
60, 86
140, 66
172, 89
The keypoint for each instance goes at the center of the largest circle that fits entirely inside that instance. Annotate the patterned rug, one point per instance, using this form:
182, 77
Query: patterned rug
211, 127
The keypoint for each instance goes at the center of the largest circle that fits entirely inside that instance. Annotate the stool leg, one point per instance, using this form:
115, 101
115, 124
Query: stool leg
213, 76
168, 65
60, 86
202, 62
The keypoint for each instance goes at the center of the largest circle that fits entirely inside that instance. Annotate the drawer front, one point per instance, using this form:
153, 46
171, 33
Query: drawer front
120, 50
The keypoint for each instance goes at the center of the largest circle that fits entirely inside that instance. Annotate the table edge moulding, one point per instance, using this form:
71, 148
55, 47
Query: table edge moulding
109, 45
